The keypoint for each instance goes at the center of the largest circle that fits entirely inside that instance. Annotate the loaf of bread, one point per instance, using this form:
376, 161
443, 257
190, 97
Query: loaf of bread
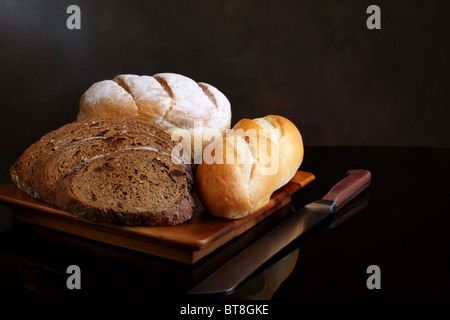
238, 174
184, 108
130, 155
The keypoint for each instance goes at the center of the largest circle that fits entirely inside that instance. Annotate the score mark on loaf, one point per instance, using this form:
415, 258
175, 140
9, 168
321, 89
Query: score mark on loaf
171, 101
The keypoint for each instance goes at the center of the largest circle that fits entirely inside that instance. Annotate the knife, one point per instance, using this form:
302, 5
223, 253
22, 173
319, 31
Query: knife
232, 273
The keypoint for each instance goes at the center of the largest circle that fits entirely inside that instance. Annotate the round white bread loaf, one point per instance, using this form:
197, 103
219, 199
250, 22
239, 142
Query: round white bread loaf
179, 105
265, 154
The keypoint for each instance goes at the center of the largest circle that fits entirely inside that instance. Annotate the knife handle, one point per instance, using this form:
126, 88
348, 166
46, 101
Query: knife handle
348, 188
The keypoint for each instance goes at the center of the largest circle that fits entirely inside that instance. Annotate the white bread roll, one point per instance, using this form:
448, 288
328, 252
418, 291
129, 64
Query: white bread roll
267, 153
173, 102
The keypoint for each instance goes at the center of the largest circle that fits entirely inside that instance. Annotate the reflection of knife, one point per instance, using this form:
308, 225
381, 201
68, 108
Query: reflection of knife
230, 275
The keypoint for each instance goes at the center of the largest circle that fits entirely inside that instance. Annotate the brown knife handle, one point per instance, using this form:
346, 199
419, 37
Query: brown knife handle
348, 188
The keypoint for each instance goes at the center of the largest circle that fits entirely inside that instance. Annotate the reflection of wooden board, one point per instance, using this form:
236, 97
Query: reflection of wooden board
187, 242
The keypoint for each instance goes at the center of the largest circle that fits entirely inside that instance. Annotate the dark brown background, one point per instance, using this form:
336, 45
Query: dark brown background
314, 62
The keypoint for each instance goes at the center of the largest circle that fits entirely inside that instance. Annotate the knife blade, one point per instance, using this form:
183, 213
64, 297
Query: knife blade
235, 271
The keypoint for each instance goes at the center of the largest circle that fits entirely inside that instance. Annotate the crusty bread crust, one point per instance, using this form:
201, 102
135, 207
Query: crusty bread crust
272, 156
169, 100
290, 146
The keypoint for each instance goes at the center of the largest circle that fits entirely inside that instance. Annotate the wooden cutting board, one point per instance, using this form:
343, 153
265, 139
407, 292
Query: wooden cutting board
187, 242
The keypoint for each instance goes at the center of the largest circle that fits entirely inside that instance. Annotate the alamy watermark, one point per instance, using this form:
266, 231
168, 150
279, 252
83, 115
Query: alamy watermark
74, 280
240, 147
374, 280
374, 20
74, 20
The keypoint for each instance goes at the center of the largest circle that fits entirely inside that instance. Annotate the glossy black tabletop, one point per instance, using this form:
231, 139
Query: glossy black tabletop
400, 226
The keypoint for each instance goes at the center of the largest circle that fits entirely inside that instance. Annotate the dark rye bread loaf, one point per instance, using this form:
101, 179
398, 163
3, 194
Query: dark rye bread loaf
76, 154
137, 186
26, 169
60, 155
